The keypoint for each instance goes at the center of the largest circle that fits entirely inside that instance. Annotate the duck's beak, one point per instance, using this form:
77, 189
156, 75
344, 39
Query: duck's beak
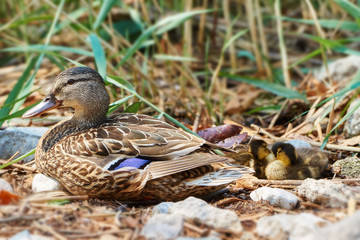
50, 102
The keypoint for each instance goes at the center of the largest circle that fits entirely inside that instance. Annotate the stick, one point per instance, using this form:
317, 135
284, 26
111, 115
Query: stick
16, 165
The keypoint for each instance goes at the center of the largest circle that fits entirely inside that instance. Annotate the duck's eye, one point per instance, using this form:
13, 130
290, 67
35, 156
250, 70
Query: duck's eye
70, 81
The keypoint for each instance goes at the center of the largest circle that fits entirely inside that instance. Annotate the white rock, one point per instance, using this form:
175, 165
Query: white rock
43, 183
349, 167
22, 139
297, 143
162, 207
276, 197
4, 185
352, 124
347, 229
325, 192
200, 211
339, 69
26, 235
286, 226
163, 226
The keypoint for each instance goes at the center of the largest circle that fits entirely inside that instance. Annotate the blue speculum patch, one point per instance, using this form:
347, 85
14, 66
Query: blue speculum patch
130, 162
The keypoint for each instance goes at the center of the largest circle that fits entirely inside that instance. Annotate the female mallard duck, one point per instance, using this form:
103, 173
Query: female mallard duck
126, 156
262, 156
291, 163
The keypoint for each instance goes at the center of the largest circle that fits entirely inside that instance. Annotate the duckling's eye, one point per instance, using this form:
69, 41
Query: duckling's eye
70, 81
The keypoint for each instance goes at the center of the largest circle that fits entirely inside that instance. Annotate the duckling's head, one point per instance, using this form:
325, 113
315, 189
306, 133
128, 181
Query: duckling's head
285, 152
259, 149
81, 88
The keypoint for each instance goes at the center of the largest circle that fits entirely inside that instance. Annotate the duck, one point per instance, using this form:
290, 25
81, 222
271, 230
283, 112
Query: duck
124, 156
296, 163
262, 156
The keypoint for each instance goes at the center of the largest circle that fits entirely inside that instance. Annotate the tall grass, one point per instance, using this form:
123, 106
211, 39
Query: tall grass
137, 44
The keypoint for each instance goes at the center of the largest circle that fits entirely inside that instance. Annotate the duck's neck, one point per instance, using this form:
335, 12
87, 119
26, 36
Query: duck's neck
76, 123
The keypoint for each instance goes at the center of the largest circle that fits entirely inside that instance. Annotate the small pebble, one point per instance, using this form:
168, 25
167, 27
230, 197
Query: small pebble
325, 192
276, 197
4, 185
349, 167
43, 183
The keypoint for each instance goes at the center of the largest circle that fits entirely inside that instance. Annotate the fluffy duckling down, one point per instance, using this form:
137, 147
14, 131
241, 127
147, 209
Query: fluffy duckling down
291, 163
262, 156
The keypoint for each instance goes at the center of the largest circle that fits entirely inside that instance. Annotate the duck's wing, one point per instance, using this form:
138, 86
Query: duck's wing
138, 119
159, 169
117, 141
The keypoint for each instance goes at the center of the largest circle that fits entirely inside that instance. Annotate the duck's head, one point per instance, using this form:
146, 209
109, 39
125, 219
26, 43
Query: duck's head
285, 152
81, 88
260, 150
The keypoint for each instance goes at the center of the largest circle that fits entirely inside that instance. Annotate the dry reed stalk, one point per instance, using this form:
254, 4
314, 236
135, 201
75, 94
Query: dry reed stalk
188, 30
232, 49
331, 117
202, 24
284, 60
263, 42
253, 33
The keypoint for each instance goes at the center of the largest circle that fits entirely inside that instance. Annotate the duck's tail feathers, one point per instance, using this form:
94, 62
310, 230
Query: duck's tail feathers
220, 177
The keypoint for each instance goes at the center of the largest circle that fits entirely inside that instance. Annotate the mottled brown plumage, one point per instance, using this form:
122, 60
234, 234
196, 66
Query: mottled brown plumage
84, 152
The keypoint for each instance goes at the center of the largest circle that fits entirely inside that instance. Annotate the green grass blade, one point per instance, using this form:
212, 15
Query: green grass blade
326, 23
133, 108
160, 27
104, 10
268, 86
231, 40
16, 91
348, 114
99, 55
18, 159
307, 57
122, 83
349, 7
118, 103
17, 113
165, 57
43, 48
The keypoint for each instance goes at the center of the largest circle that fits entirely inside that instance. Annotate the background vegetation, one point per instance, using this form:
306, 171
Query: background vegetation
186, 59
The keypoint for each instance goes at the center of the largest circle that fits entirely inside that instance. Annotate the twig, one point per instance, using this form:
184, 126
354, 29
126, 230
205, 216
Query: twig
47, 228
253, 216
299, 182
20, 218
70, 198
195, 228
12, 157
16, 165
272, 123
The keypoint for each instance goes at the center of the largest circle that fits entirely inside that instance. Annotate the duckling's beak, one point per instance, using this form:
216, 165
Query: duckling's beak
50, 102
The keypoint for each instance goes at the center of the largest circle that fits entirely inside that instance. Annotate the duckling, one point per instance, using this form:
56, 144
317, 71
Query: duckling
262, 157
294, 163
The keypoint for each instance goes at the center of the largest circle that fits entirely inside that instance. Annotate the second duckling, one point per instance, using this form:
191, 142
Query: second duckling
262, 156
294, 163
